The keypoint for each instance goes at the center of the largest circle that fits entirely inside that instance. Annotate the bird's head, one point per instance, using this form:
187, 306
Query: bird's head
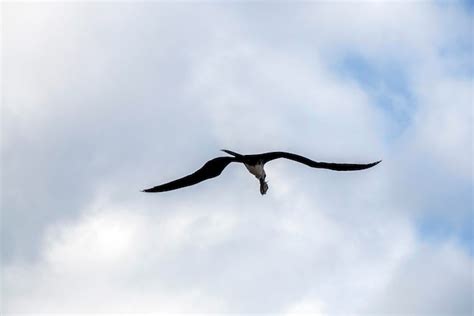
263, 186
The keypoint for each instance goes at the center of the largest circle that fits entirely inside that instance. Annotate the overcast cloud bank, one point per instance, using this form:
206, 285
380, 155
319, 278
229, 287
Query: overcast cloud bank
102, 100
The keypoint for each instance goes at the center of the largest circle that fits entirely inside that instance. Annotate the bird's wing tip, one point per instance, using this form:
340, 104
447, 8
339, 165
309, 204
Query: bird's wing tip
376, 163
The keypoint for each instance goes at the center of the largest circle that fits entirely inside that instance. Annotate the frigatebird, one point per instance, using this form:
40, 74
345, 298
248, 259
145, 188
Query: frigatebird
254, 164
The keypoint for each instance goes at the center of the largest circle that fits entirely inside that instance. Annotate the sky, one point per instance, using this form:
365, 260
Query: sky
102, 100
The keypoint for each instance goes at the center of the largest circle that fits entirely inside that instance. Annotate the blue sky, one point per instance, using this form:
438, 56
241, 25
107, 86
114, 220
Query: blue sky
389, 87
102, 100
387, 84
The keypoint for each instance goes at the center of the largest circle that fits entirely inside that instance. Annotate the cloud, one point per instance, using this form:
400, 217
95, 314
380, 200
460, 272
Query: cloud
417, 283
185, 258
119, 97
207, 259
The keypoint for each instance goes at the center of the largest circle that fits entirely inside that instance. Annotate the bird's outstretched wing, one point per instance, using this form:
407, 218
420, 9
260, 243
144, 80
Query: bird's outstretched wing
211, 169
266, 157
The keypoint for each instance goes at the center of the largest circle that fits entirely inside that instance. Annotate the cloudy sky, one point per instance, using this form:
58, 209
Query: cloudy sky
101, 100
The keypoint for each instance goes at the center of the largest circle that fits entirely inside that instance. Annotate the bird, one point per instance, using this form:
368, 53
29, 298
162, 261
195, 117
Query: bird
255, 165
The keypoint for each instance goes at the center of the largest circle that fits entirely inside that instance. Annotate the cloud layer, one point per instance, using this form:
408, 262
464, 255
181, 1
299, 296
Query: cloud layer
102, 100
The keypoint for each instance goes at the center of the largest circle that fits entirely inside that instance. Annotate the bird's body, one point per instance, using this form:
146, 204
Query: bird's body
255, 165
259, 173
256, 170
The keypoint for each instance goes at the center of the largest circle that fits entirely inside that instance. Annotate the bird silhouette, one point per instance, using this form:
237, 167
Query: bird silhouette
255, 165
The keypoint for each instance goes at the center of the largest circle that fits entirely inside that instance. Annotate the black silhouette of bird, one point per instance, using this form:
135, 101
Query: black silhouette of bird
254, 164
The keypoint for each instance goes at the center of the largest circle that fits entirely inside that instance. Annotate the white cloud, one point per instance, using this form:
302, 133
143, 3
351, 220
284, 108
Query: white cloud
220, 257
103, 263
442, 275
445, 124
115, 95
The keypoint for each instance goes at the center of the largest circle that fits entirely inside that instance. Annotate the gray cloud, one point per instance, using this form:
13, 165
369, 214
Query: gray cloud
102, 100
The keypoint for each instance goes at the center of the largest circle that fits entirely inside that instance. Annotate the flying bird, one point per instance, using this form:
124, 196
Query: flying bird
254, 164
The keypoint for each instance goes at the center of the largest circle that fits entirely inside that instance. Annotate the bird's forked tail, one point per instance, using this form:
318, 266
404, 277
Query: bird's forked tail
232, 153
